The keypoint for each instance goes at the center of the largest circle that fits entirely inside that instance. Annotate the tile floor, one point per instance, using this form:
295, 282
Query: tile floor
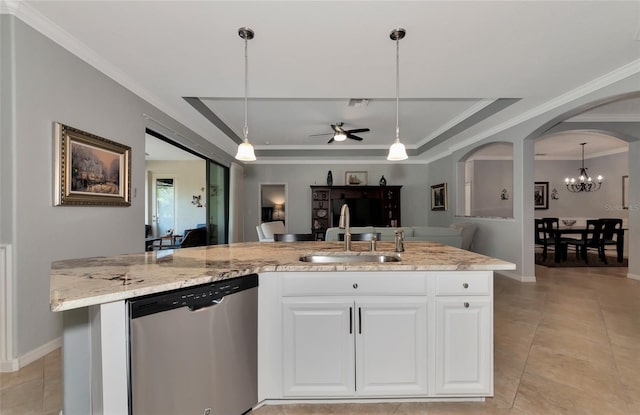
565, 345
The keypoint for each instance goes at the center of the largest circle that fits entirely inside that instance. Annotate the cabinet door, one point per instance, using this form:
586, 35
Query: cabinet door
391, 346
318, 347
464, 346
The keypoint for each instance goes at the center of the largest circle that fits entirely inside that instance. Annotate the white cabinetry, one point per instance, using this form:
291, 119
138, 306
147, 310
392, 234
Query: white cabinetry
356, 343
391, 346
318, 351
350, 335
463, 335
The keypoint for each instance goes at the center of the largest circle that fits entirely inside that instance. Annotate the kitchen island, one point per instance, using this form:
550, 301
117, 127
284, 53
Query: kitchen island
419, 328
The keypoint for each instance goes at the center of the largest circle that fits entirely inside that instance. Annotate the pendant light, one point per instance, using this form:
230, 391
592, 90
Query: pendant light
245, 149
397, 150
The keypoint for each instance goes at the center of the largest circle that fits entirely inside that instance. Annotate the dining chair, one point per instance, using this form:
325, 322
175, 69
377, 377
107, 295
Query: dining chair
292, 237
552, 223
361, 236
610, 228
543, 237
590, 240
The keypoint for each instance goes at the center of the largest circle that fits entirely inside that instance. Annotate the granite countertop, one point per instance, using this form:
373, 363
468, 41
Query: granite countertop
77, 283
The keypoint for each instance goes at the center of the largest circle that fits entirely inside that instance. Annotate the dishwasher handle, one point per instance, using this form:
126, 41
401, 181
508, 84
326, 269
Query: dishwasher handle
202, 306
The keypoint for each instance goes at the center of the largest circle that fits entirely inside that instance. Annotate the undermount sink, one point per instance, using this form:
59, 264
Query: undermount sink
346, 257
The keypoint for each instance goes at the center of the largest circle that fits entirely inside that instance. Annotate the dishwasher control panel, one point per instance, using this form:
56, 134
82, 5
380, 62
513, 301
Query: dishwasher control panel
195, 298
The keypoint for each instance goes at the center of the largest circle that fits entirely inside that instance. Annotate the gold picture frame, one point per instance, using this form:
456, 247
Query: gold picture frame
355, 178
90, 170
439, 197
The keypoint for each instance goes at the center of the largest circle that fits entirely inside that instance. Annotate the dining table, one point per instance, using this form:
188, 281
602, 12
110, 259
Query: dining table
581, 230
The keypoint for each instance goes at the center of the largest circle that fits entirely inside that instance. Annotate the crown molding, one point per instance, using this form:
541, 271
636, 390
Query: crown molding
9, 6
616, 75
267, 160
48, 28
605, 118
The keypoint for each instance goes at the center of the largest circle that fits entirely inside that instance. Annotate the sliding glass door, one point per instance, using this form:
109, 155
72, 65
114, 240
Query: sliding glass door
218, 206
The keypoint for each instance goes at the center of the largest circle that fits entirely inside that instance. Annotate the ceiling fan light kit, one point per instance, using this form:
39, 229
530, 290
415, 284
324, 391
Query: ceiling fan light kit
397, 150
245, 149
340, 136
584, 182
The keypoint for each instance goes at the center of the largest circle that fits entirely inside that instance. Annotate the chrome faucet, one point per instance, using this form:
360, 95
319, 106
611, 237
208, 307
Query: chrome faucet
344, 224
399, 241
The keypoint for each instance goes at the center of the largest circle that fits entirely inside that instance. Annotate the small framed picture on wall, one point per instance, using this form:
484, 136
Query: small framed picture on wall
439, 197
541, 195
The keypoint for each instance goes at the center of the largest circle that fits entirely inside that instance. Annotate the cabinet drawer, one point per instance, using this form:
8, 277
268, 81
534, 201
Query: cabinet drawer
463, 283
354, 283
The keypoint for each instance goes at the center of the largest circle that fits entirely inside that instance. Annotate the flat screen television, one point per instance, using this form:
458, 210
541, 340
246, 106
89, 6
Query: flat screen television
363, 212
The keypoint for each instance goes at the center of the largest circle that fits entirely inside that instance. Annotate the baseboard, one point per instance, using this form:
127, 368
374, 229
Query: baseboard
9, 365
517, 277
633, 276
14, 365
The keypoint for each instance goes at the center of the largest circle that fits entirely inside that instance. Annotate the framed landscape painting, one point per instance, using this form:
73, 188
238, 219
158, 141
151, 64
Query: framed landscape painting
541, 195
90, 170
439, 197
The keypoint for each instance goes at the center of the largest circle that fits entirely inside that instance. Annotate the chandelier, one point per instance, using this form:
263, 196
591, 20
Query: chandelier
584, 182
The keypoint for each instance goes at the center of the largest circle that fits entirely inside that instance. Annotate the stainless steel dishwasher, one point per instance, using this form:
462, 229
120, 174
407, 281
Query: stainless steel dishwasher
194, 351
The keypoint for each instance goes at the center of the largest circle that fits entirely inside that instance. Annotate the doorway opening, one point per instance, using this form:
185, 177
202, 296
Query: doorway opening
184, 191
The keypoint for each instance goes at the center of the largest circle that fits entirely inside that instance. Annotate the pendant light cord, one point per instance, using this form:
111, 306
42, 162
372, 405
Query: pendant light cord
397, 88
245, 130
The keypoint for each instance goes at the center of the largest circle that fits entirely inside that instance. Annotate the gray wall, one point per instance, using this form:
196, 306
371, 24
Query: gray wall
489, 178
52, 85
299, 177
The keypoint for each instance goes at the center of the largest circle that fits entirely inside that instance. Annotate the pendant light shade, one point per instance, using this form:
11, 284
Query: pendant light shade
397, 150
245, 149
245, 152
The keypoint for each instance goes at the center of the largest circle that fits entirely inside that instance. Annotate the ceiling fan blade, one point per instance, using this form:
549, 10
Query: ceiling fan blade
317, 135
357, 130
330, 141
354, 137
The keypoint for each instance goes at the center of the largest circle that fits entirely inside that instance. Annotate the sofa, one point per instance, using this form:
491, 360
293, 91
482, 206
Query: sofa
459, 235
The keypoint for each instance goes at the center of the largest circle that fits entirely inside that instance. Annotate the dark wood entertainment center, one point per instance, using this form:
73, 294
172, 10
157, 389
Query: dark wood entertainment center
368, 205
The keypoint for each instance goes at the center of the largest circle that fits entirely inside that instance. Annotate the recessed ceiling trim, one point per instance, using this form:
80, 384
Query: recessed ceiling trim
484, 113
200, 106
616, 75
455, 121
578, 158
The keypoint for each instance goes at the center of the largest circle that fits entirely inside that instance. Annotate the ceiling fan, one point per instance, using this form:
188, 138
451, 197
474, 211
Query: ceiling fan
340, 134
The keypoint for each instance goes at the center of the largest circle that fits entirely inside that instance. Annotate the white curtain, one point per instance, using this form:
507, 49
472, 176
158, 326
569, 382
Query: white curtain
236, 203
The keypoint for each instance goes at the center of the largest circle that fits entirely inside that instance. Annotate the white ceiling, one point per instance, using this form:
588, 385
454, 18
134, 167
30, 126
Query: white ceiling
460, 64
